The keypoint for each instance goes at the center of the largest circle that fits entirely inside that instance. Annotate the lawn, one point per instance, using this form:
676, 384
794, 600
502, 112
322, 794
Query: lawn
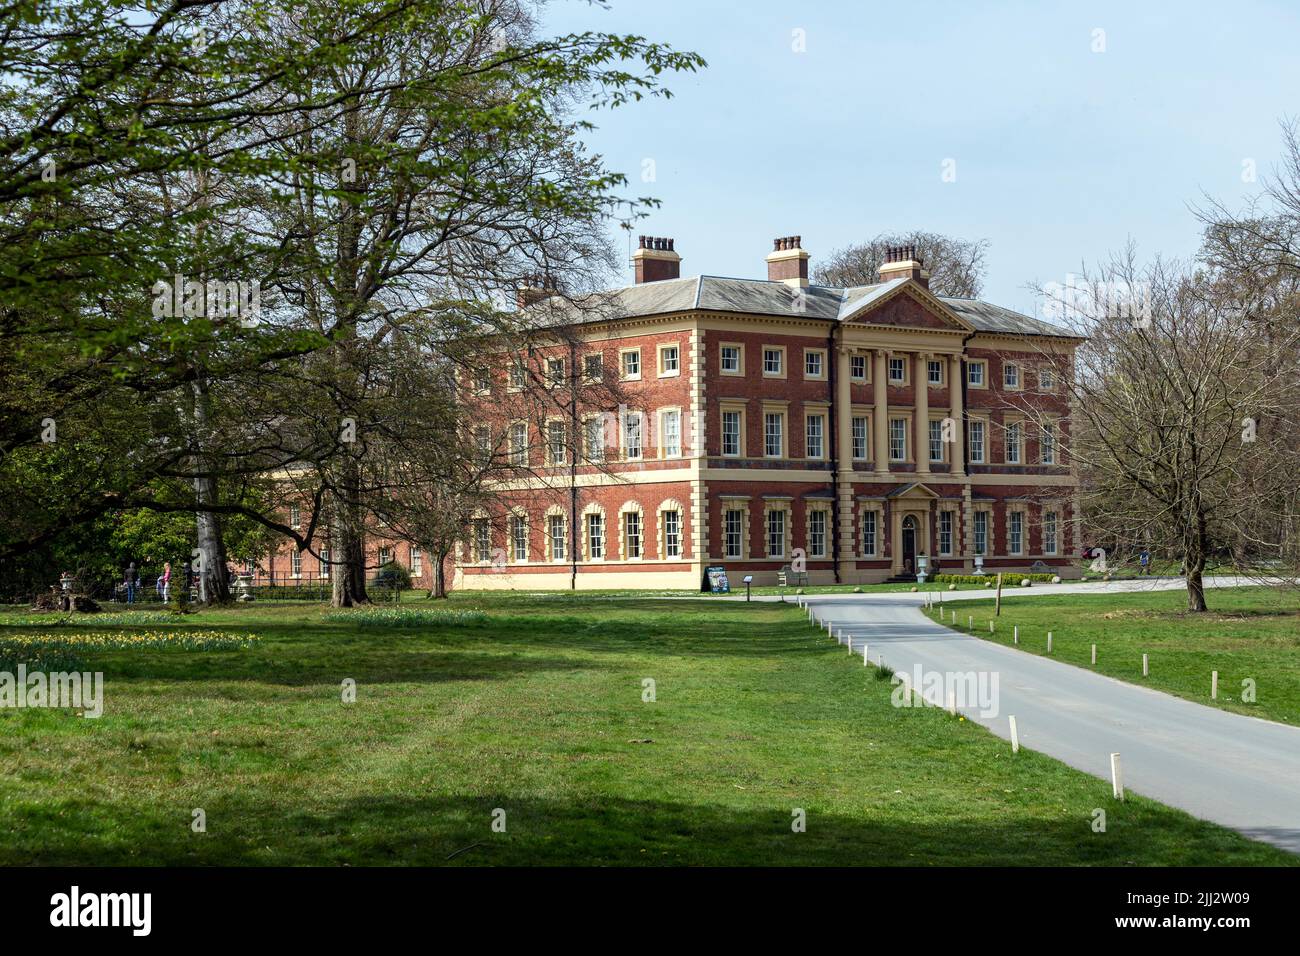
1248, 634
533, 705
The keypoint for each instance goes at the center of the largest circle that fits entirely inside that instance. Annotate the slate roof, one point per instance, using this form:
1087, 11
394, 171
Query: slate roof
766, 297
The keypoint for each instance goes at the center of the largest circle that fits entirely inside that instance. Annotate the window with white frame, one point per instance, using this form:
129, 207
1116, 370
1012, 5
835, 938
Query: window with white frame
776, 533
295, 563
594, 439
869, 542
936, 440
555, 372
980, 520
632, 435
632, 534
1047, 444
672, 524
858, 368
483, 442
731, 432
669, 360
671, 426
384, 556
945, 532
897, 371
519, 443
593, 367
815, 436
860, 437
1010, 375
482, 381
1013, 435
773, 434
975, 434
734, 532
975, 374
482, 540
1016, 532
814, 363
898, 439
1050, 543
557, 443
773, 361
558, 535
595, 536
631, 363
731, 360
519, 537
295, 516
324, 562
934, 372
518, 374
417, 562
817, 533
1046, 380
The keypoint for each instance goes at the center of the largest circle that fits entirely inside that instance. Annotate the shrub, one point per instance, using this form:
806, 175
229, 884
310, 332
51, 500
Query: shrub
394, 575
985, 579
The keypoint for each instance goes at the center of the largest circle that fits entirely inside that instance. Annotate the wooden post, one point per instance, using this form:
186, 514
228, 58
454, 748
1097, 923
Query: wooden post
1015, 737
1116, 777
864, 655
997, 607
1094, 654
1146, 668
1214, 685
990, 627
970, 622
1015, 634
1049, 642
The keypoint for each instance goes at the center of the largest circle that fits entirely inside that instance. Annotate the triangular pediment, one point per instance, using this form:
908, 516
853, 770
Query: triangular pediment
904, 304
914, 490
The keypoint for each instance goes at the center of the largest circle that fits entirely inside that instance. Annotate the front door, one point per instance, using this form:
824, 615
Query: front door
909, 545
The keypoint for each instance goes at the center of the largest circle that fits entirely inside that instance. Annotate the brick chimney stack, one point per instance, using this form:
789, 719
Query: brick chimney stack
535, 288
788, 262
902, 262
656, 260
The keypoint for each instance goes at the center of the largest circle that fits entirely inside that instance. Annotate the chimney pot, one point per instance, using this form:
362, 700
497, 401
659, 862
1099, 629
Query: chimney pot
788, 262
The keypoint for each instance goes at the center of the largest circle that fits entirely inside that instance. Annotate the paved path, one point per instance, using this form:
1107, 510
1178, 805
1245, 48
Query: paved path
1239, 771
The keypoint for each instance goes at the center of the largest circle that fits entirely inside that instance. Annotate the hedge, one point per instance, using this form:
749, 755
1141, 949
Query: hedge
1012, 577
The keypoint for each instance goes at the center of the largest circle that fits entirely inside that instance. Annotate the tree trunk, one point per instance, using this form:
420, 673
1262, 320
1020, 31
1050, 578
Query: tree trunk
439, 576
214, 586
348, 556
1195, 561
214, 582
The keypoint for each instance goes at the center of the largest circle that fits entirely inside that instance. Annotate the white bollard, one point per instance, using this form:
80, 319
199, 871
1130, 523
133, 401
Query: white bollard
1214, 685
1015, 634
970, 622
1146, 667
990, 627
1116, 777
864, 655
1015, 737
1049, 642
1094, 654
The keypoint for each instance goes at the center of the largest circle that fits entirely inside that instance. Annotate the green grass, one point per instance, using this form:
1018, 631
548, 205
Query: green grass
1247, 633
539, 712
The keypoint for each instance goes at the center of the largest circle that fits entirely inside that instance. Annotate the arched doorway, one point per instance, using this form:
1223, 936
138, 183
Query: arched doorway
909, 544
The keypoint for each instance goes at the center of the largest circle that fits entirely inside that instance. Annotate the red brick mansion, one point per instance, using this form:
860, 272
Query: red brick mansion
772, 423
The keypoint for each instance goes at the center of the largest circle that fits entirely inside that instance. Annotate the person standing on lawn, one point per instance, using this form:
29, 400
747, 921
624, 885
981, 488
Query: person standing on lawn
132, 581
164, 581
1144, 559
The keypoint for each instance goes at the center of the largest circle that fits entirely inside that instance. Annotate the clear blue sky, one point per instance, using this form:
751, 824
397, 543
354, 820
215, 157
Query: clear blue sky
1061, 153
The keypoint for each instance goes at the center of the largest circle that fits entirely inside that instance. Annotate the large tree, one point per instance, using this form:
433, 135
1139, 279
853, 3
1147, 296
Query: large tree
956, 266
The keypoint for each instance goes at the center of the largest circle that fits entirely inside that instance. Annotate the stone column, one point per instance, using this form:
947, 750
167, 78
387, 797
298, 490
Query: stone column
921, 388
844, 446
880, 380
958, 413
